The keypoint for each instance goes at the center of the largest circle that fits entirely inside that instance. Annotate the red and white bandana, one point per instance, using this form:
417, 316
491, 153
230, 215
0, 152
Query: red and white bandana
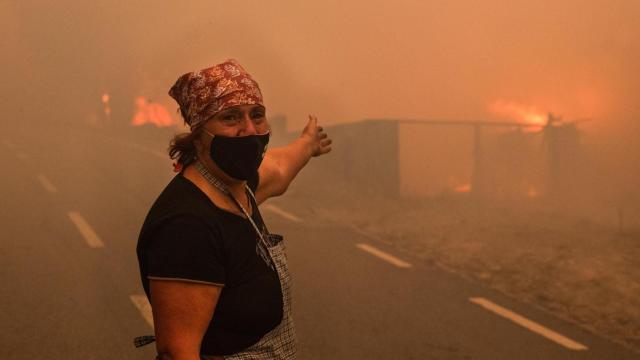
202, 94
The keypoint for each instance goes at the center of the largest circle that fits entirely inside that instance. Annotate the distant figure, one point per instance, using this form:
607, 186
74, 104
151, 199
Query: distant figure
216, 278
151, 113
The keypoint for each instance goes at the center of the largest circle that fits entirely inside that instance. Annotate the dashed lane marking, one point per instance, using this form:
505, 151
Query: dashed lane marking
284, 214
384, 256
141, 302
528, 324
90, 236
47, 184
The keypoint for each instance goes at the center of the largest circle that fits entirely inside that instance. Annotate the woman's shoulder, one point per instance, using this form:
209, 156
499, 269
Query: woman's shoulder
177, 229
180, 201
180, 195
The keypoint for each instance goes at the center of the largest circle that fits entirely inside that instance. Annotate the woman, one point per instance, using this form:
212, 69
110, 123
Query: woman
216, 279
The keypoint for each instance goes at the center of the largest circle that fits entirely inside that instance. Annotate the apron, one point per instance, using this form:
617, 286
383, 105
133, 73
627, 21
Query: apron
279, 343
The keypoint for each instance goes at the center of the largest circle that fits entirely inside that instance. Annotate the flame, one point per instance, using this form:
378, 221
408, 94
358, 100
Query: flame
524, 114
458, 186
532, 192
462, 189
151, 113
105, 98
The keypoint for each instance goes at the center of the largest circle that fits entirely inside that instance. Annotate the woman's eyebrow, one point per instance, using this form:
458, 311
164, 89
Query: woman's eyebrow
230, 112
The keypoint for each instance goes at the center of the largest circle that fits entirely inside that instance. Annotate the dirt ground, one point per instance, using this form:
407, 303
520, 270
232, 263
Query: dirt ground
582, 268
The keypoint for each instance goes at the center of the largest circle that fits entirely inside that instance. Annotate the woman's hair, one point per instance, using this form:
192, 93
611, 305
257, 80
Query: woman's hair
183, 148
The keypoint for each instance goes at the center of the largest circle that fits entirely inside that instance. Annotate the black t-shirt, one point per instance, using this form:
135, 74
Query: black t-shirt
185, 236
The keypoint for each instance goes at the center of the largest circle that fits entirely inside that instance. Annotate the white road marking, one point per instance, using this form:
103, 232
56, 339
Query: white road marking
141, 302
528, 324
85, 229
47, 184
22, 156
384, 256
284, 214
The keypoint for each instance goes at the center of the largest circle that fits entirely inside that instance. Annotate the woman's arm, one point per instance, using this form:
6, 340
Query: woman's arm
181, 315
281, 165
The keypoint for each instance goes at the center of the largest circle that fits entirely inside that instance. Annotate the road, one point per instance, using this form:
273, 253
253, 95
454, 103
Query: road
73, 201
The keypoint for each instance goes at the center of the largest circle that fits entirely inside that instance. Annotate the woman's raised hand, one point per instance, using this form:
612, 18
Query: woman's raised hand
319, 140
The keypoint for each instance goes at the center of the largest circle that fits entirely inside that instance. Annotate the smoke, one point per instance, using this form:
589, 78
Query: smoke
343, 61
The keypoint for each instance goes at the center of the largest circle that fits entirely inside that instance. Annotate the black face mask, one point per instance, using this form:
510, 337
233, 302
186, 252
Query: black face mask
239, 156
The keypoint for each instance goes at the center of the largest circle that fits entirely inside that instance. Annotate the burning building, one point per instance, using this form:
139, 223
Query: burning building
492, 160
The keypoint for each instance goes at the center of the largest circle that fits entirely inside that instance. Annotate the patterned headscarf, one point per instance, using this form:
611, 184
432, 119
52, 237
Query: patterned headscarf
202, 94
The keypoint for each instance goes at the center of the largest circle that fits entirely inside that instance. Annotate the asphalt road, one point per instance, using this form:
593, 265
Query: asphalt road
73, 200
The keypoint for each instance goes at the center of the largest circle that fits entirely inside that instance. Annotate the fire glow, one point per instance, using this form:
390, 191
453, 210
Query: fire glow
462, 189
148, 112
526, 115
457, 186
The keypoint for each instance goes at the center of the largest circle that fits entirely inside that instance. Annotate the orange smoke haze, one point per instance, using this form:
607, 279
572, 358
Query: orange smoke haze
523, 114
346, 61
343, 61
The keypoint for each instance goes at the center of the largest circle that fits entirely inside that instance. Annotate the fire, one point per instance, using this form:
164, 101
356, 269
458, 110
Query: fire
151, 113
458, 186
528, 115
107, 108
461, 189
